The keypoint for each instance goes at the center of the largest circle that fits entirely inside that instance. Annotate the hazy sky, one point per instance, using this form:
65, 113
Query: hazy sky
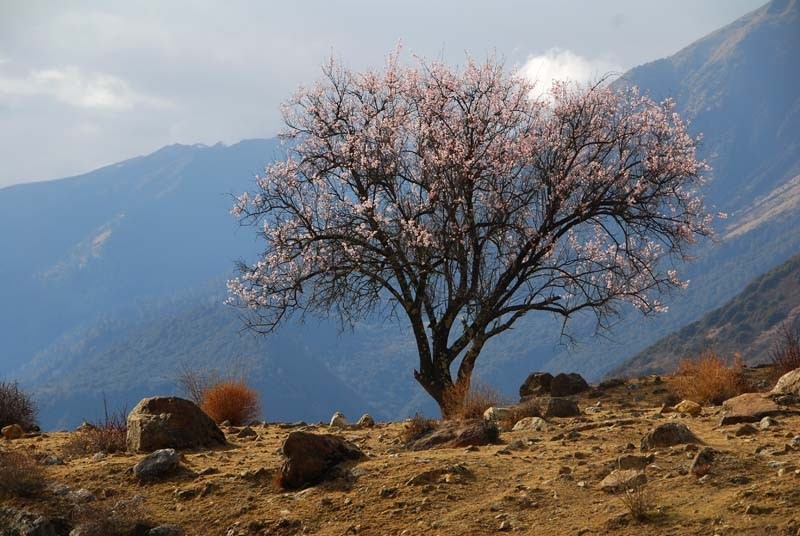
83, 84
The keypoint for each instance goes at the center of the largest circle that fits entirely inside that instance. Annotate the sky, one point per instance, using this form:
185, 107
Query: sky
84, 84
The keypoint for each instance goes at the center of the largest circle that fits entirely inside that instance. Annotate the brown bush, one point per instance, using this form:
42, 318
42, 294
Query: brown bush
20, 476
416, 427
710, 379
124, 518
528, 408
231, 401
470, 402
639, 500
785, 354
106, 435
16, 406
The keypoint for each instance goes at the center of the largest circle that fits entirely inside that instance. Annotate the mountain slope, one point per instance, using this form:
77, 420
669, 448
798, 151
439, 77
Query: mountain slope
747, 324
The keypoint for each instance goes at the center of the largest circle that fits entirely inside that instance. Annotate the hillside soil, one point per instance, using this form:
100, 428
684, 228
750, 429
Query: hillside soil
534, 482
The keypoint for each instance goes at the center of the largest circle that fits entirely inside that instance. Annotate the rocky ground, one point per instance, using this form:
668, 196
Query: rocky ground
544, 481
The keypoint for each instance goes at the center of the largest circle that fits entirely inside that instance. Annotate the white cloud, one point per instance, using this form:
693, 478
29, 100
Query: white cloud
70, 85
560, 64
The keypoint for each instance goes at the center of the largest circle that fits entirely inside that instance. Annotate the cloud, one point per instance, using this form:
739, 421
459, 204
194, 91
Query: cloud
560, 64
71, 86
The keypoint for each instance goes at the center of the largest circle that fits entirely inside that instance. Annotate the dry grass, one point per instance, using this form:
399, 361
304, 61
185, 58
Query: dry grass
529, 408
639, 501
106, 435
785, 355
16, 406
20, 476
123, 519
231, 401
710, 379
470, 402
416, 427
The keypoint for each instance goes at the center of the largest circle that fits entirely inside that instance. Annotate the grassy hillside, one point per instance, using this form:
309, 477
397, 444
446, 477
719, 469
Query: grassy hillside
747, 324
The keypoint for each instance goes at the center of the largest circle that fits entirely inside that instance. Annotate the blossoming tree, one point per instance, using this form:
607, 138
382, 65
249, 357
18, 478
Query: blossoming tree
459, 200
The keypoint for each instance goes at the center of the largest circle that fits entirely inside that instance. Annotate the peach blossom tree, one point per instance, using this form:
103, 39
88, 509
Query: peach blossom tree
459, 200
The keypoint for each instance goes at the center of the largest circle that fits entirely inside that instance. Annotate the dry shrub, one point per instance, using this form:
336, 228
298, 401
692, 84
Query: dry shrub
710, 379
194, 382
785, 355
20, 476
528, 408
106, 435
416, 427
639, 501
231, 401
122, 519
16, 406
470, 402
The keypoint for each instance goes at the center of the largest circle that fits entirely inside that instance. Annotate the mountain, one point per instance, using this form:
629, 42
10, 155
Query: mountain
109, 280
749, 324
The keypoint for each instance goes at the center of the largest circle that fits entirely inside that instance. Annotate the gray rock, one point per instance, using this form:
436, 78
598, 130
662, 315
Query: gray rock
536, 384
166, 530
157, 464
620, 480
17, 522
338, 420
568, 384
667, 435
788, 384
633, 461
366, 421
560, 407
767, 422
170, 422
536, 424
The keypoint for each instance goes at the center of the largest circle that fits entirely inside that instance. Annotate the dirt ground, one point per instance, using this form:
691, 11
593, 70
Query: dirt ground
545, 483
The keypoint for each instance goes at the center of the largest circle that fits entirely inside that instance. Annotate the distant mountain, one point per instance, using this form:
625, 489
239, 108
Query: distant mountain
109, 280
749, 324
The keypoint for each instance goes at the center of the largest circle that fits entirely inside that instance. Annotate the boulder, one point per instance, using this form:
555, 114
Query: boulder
745, 430
668, 434
338, 420
454, 434
536, 384
621, 480
749, 407
687, 406
366, 421
12, 431
788, 384
560, 407
310, 457
568, 384
496, 414
536, 424
163, 422
157, 464
15, 521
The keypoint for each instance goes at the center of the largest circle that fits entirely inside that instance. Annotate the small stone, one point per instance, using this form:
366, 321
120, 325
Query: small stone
687, 406
745, 430
166, 530
620, 480
505, 526
767, 422
246, 432
702, 462
99, 456
53, 460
